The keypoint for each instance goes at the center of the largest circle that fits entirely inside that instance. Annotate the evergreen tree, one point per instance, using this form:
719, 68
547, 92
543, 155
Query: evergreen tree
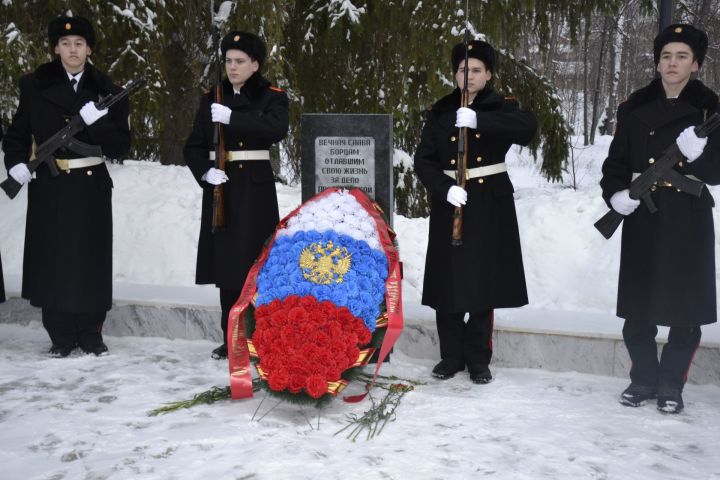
340, 56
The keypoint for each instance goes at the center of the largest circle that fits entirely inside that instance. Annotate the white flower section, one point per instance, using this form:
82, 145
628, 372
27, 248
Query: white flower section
338, 211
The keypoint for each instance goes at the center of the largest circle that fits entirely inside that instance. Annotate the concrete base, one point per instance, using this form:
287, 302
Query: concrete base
515, 345
558, 351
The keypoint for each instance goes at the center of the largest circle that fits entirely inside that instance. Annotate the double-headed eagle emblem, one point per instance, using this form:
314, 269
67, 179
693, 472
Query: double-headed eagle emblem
325, 264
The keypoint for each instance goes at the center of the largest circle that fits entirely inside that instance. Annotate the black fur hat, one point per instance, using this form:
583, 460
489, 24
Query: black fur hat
247, 42
63, 26
696, 39
476, 49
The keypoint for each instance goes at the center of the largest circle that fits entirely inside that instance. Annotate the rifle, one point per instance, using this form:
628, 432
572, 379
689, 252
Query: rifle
218, 219
461, 172
65, 138
661, 170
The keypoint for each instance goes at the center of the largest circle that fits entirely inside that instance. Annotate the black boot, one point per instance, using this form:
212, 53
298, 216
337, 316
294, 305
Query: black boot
670, 400
93, 343
61, 351
447, 369
636, 395
220, 353
480, 375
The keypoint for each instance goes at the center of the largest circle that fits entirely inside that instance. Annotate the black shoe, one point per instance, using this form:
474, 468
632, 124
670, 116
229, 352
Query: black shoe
97, 349
61, 351
220, 353
636, 395
446, 369
93, 343
481, 375
670, 401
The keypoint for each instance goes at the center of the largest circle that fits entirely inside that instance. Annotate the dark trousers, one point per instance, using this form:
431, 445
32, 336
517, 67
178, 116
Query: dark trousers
66, 328
228, 297
466, 343
671, 371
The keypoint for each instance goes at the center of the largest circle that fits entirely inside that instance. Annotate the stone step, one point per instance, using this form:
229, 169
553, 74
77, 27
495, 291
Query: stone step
523, 338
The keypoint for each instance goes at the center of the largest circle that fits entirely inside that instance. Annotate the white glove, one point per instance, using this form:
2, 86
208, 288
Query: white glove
465, 117
20, 173
622, 203
215, 176
690, 144
90, 114
457, 196
220, 113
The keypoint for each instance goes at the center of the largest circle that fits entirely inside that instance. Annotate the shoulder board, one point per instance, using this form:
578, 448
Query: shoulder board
207, 91
510, 98
277, 89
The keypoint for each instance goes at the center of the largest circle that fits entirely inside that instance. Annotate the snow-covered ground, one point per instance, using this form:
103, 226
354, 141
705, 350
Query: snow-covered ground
85, 417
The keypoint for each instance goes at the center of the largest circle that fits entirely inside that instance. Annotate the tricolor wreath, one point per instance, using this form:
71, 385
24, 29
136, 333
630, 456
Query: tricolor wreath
323, 295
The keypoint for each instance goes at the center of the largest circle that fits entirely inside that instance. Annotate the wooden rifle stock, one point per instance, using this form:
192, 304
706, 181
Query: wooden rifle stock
461, 174
218, 218
457, 226
218, 223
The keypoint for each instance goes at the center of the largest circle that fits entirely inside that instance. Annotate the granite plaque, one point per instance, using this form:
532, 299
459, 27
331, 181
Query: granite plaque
348, 150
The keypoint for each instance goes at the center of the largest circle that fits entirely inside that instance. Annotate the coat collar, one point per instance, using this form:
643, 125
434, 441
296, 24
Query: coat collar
51, 82
649, 104
50, 74
252, 89
487, 99
695, 93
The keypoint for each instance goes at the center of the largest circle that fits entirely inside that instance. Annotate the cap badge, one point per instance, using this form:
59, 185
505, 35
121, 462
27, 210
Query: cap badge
678, 30
236, 38
68, 26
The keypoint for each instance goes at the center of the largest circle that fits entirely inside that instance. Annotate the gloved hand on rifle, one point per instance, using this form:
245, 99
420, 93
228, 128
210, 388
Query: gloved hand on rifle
690, 144
20, 173
90, 114
457, 196
622, 203
465, 117
220, 113
215, 176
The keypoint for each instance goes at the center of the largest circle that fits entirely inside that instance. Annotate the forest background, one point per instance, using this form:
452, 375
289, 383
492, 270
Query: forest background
570, 62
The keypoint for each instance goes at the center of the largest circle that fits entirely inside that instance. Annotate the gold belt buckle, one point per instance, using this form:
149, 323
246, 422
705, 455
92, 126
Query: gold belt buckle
62, 163
229, 155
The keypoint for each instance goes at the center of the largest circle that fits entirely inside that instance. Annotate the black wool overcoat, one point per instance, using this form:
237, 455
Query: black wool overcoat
67, 264
259, 119
667, 260
486, 272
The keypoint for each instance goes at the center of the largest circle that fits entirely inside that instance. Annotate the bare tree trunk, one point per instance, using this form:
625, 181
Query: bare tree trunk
586, 48
616, 48
596, 109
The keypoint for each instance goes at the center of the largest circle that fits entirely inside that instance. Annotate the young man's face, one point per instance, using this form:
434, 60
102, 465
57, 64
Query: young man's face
73, 51
239, 67
676, 64
478, 75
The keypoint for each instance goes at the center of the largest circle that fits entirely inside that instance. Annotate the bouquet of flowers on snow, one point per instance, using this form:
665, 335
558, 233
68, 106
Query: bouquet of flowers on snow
321, 298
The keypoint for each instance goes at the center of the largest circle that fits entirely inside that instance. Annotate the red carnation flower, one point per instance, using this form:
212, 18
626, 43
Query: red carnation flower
298, 314
278, 379
296, 383
316, 386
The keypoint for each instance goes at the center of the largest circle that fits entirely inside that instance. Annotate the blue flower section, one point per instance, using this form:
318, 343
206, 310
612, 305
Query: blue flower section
361, 288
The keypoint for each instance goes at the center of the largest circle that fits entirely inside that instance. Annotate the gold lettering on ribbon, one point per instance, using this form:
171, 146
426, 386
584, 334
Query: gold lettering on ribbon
325, 264
393, 292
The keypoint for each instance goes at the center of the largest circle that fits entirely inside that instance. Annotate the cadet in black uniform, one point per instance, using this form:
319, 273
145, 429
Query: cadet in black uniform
67, 265
254, 116
667, 260
486, 272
